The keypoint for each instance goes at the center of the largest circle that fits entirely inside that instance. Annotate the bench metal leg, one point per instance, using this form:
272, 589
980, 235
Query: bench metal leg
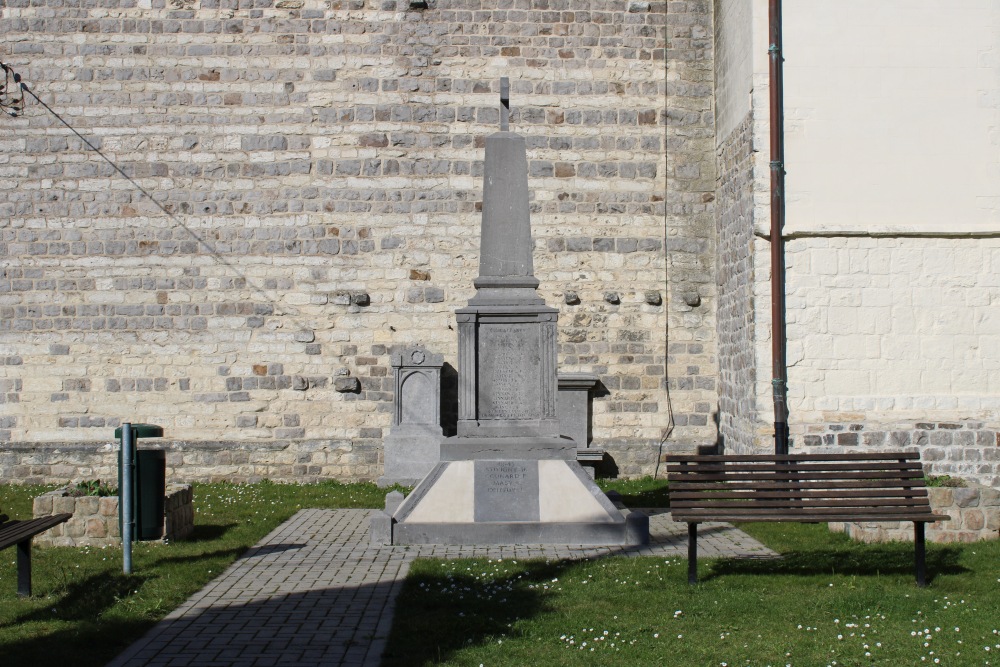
920, 553
24, 568
692, 553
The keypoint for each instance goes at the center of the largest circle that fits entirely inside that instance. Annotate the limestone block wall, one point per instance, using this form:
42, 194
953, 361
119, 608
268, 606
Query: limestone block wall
891, 346
969, 449
734, 63
742, 214
736, 326
692, 295
313, 172
974, 512
301, 460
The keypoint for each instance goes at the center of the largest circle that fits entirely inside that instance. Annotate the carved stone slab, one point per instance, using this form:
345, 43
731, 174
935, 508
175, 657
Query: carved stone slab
417, 378
507, 384
573, 406
508, 359
506, 491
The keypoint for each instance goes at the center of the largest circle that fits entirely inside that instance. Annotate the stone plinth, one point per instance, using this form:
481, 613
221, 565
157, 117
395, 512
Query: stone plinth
95, 520
412, 448
547, 501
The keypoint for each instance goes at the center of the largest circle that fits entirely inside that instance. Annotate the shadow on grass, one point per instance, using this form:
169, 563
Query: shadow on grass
648, 498
439, 614
641, 493
233, 553
209, 532
84, 600
866, 562
40, 645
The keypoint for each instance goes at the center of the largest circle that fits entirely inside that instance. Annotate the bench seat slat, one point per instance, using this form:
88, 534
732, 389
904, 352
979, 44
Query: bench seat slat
787, 477
751, 485
13, 532
794, 468
806, 518
748, 494
743, 458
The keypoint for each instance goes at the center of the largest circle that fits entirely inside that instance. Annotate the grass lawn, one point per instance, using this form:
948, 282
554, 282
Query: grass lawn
828, 601
85, 611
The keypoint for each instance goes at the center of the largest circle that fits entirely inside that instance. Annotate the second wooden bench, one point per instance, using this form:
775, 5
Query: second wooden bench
808, 488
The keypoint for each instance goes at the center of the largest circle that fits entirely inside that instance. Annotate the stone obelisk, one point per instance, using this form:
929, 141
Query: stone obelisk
508, 476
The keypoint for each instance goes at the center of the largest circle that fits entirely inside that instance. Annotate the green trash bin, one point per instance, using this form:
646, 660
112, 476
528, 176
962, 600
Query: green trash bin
150, 483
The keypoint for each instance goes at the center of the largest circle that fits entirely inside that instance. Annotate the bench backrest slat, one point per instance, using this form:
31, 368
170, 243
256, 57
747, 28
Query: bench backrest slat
800, 468
811, 502
859, 485
765, 477
755, 510
763, 458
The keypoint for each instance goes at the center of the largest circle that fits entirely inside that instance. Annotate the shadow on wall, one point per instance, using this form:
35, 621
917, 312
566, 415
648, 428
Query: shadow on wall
720, 439
449, 400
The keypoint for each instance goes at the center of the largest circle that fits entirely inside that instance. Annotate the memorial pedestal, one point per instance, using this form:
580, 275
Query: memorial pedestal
511, 501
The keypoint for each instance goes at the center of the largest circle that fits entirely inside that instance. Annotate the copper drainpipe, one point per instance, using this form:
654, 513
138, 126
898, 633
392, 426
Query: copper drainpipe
779, 368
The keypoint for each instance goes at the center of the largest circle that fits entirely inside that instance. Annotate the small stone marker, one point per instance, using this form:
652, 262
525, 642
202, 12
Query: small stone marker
412, 448
573, 408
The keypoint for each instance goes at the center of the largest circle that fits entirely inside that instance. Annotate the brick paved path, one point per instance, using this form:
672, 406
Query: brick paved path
314, 592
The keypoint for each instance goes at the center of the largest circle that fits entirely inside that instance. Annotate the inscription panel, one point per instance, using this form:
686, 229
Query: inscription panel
417, 399
506, 491
508, 370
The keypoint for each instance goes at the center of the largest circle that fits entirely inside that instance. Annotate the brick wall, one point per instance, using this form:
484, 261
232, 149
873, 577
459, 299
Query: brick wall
316, 170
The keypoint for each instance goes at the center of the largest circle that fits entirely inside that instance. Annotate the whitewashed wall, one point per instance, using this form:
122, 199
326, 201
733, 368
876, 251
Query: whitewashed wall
893, 115
733, 64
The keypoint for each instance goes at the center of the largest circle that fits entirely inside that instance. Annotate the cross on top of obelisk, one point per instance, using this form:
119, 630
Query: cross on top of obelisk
504, 104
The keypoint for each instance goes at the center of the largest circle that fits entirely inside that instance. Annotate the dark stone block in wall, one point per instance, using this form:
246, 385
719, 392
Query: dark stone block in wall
347, 384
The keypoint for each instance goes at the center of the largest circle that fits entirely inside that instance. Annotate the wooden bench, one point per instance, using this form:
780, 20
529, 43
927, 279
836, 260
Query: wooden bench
807, 488
20, 533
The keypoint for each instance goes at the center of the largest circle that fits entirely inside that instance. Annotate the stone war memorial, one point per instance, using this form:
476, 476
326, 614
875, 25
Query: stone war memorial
507, 476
